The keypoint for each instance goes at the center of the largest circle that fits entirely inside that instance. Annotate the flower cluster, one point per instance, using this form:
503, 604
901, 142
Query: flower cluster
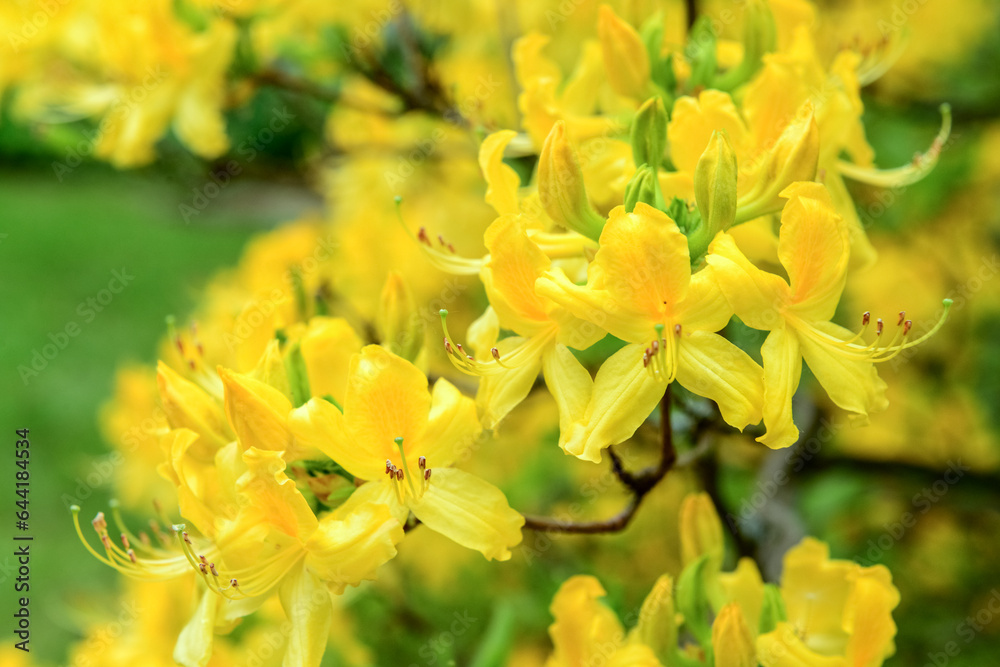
650, 197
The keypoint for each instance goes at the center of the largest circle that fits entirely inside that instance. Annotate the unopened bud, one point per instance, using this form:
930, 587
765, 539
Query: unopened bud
701, 530
793, 158
625, 58
644, 187
657, 627
732, 641
649, 133
714, 192
398, 323
561, 188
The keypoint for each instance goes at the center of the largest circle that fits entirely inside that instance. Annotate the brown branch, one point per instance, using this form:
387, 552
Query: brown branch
639, 484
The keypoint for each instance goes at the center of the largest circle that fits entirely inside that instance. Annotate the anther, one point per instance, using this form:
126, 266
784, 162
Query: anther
907, 325
204, 570
399, 474
125, 542
211, 566
902, 316
496, 353
131, 555
423, 238
866, 318
447, 346
654, 348
422, 462
677, 330
427, 475
186, 538
879, 326
234, 583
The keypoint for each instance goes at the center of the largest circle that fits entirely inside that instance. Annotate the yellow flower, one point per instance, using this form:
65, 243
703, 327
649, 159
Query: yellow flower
839, 613
814, 249
585, 632
394, 429
640, 288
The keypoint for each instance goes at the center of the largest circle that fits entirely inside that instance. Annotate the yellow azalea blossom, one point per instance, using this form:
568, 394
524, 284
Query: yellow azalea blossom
640, 288
585, 632
393, 428
540, 325
839, 613
814, 249
274, 543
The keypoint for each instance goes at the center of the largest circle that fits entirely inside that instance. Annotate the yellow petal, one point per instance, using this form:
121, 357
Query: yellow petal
783, 648
347, 548
327, 347
500, 393
377, 492
868, 617
584, 631
452, 427
509, 275
188, 406
320, 425
852, 384
756, 296
624, 395
258, 413
309, 609
387, 398
782, 372
815, 590
569, 383
863, 253
705, 307
692, 123
502, 181
195, 480
596, 306
470, 511
814, 248
270, 497
644, 260
711, 366
194, 645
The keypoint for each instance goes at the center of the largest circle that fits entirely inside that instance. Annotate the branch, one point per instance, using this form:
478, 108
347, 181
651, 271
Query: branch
639, 484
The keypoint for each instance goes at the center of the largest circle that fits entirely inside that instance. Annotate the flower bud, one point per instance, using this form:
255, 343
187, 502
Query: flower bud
397, 322
732, 641
649, 133
793, 158
561, 188
714, 192
701, 531
625, 58
657, 627
759, 38
644, 187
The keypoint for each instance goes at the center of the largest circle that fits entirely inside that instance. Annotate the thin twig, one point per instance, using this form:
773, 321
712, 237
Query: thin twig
639, 484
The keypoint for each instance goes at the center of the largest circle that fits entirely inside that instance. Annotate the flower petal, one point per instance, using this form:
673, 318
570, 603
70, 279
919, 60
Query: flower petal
756, 296
309, 608
782, 372
194, 645
470, 511
624, 395
502, 181
509, 275
569, 383
269, 497
693, 121
319, 424
853, 384
327, 347
814, 248
500, 393
452, 427
711, 366
584, 629
387, 398
348, 547
257, 412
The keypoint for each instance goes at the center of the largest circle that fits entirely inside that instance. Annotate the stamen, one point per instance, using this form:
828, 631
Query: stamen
422, 462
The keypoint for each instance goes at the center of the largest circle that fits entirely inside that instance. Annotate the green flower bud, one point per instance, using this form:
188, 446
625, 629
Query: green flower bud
714, 192
397, 321
644, 187
561, 188
649, 133
759, 38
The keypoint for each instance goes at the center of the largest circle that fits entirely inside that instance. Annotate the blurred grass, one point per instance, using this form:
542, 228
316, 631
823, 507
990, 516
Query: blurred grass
63, 240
